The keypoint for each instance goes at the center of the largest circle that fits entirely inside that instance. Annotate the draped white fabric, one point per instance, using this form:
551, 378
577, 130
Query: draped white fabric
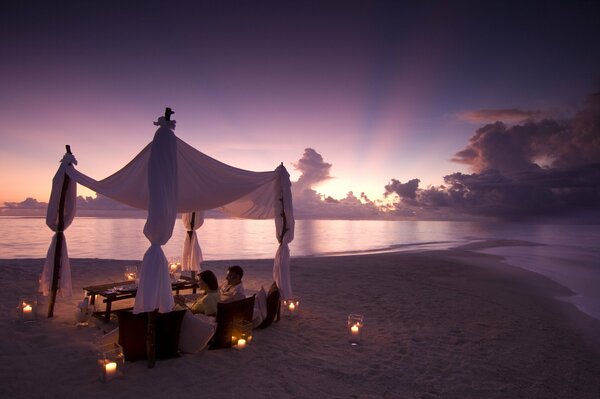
154, 289
192, 254
128, 186
203, 183
284, 226
170, 176
52, 221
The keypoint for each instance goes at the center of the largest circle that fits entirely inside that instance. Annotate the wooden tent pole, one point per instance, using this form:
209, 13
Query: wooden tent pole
191, 231
284, 228
59, 241
151, 339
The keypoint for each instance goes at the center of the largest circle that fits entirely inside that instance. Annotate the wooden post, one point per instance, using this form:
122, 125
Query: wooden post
59, 241
151, 339
284, 228
191, 231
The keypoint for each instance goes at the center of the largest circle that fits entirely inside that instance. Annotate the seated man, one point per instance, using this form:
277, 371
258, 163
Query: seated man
232, 289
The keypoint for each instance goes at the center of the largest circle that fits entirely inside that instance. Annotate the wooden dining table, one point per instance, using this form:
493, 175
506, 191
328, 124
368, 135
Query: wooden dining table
118, 291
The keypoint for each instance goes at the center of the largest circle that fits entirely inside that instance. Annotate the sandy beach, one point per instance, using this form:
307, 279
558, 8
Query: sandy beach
438, 324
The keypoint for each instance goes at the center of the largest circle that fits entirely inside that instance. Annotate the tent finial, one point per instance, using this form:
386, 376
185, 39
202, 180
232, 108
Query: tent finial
168, 113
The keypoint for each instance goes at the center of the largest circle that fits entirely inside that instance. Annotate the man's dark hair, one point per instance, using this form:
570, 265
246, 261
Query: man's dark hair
237, 270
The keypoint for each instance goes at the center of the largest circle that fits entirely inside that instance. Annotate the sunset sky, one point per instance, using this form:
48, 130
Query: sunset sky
384, 92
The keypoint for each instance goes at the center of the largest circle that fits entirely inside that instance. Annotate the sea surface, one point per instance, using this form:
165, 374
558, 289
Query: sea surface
569, 254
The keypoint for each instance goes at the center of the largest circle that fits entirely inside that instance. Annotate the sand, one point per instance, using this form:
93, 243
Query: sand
438, 324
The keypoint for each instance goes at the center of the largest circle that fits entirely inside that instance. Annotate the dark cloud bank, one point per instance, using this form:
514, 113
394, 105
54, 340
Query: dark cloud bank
537, 170
543, 170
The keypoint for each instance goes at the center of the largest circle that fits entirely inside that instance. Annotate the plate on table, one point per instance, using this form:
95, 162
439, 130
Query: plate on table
126, 288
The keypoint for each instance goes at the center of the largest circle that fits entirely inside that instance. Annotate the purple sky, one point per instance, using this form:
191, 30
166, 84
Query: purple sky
383, 93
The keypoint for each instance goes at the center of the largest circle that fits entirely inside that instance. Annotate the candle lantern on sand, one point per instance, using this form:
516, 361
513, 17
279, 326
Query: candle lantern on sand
27, 309
355, 326
111, 362
83, 312
131, 273
241, 334
291, 306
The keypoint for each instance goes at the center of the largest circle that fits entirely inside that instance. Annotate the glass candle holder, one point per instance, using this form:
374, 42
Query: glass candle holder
131, 273
241, 334
27, 309
355, 326
175, 267
291, 306
83, 313
111, 362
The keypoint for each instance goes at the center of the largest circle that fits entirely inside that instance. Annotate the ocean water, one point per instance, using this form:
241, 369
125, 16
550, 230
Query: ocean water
570, 254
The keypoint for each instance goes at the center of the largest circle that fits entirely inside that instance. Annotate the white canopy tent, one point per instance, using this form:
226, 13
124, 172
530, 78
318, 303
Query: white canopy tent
169, 176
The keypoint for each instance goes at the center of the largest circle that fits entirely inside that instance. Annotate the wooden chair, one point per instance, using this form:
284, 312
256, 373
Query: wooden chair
227, 315
273, 307
133, 335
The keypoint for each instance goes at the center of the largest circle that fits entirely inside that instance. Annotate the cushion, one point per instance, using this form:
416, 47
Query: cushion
227, 315
260, 307
133, 329
196, 331
273, 298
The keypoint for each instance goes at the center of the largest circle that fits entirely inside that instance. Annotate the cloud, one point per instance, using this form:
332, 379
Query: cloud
507, 115
314, 170
28, 203
100, 202
312, 205
308, 203
508, 149
533, 145
537, 169
406, 190
86, 206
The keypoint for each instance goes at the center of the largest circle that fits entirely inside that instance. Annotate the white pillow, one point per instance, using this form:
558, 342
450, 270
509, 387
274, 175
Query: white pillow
196, 331
260, 307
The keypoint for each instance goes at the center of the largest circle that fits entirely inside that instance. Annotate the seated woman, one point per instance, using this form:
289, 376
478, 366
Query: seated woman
207, 303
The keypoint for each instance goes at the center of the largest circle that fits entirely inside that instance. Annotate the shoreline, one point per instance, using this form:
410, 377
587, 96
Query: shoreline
438, 324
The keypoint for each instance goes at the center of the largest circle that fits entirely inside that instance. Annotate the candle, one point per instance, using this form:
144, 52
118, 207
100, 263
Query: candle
241, 344
355, 324
291, 306
111, 370
27, 308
